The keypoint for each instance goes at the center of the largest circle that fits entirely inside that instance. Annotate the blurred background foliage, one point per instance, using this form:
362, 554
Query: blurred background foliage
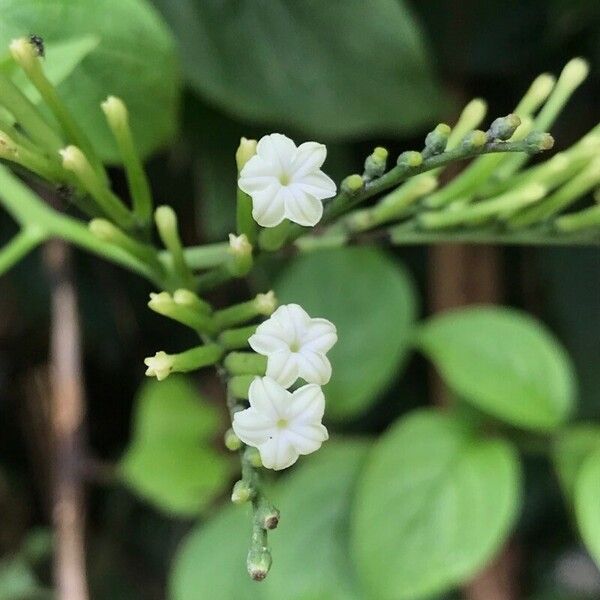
350, 74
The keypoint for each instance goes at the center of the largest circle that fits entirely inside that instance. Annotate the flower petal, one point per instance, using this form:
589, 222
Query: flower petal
309, 157
257, 175
277, 149
313, 367
278, 453
268, 397
320, 335
268, 205
316, 184
252, 427
270, 337
282, 366
307, 405
301, 207
307, 438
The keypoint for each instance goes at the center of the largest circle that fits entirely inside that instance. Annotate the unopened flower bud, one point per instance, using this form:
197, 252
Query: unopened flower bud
436, 140
574, 72
24, 53
232, 441
258, 563
537, 141
475, 139
352, 184
241, 251
410, 159
241, 492
252, 455
116, 112
375, 163
503, 128
266, 303
187, 298
267, 515
73, 159
246, 150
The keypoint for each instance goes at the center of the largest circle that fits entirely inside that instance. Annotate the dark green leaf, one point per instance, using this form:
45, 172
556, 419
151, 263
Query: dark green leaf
336, 68
135, 59
372, 302
434, 503
504, 362
170, 460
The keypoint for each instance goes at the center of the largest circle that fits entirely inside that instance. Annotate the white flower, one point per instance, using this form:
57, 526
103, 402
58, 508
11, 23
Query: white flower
285, 181
160, 365
295, 345
282, 424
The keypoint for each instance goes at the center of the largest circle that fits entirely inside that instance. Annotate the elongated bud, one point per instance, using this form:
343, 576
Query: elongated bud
259, 563
165, 304
24, 53
375, 163
410, 159
161, 365
241, 252
352, 184
538, 142
262, 304
246, 150
168, 230
73, 159
475, 139
537, 93
503, 128
266, 303
241, 492
232, 441
191, 300
116, 112
436, 140
245, 363
575, 72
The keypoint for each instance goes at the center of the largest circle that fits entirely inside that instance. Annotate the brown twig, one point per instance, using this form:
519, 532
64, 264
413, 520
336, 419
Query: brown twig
67, 416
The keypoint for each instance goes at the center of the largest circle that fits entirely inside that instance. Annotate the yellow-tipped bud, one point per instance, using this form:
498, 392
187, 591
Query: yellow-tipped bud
24, 53
73, 159
246, 150
352, 184
410, 159
266, 303
116, 112
541, 87
575, 72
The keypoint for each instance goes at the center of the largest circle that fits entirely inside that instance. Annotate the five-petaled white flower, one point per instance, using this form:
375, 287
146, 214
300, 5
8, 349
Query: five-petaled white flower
282, 424
285, 181
295, 345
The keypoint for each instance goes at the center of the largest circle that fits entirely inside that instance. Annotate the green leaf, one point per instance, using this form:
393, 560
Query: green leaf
434, 504
587, 504
504, 362
310, 552
372, 302
310, 558
134, 59
570, 449
334, 69
170, 460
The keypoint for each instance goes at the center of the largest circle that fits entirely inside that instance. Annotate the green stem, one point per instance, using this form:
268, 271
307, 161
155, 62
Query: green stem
245, 363
584, 219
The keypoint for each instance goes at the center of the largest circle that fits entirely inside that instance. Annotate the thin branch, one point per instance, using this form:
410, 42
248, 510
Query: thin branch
67, 414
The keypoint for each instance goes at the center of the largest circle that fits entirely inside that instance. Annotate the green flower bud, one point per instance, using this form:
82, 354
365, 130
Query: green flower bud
352, 184
375, 163
252, 455
246, 150
259, 563
503, 128
410, 159
232, 441
241, 492
475, 139
538, 141
436, 140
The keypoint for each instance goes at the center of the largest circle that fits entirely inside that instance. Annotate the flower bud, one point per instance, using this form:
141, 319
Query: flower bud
503, 128
574, 72
241, 251
266, 303
267, 516
436, 140
241, 492
246, 150
475, 139
258, 563
410, 159
232, 441
352, 184
252, 455
375, 163
116, 112
187, 298
73, 159
24, 53
537, 141
160, 365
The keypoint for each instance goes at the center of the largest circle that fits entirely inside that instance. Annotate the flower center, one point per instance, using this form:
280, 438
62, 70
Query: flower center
284, 179
281, 423
295, 346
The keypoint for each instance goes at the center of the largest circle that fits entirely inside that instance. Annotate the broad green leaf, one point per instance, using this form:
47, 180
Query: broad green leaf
434, 503
587, 504
372, 302
310, 557
334, 69
504, 362
170, 460
310, 552
134, 59
570, 449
